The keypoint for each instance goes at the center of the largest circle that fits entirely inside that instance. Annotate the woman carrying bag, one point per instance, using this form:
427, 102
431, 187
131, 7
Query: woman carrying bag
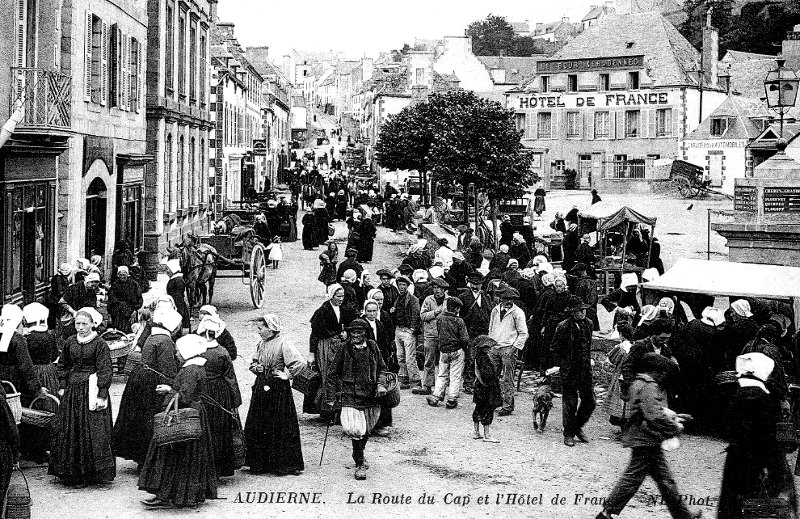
183, 474
133, 429
272, 434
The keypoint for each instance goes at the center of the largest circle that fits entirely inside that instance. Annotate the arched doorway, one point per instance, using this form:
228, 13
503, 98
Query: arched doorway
96, 214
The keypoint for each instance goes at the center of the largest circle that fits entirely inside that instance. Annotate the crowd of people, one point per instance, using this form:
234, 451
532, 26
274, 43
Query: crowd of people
446, 322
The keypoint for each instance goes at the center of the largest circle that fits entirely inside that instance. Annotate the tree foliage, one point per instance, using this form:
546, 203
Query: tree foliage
459, 138
760, 27
495, 36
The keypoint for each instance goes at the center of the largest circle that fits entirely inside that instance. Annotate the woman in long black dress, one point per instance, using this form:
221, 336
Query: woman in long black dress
367, 242
43, 350
81, 451
327, 334
133, 429
310, 241
322, 217
176, 289
272, 434
183, 474
379, 332
14, 363
224, 389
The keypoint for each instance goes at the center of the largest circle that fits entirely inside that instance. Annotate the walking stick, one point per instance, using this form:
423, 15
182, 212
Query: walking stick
325, 442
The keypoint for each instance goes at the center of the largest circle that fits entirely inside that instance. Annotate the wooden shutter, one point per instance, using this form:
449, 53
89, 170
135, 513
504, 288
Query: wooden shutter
20, 32
87, 65
113, 67
668, 131
590, 125
139, 76
652, 123
132, 67
620, 131
581, 117
124, 59
104, 64
533, 119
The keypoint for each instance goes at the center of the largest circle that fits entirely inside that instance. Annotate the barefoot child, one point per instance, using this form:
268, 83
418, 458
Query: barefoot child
486, 392
275, 251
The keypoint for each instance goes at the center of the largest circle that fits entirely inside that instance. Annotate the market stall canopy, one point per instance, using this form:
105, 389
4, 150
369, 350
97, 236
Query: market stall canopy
610, 214
723, 278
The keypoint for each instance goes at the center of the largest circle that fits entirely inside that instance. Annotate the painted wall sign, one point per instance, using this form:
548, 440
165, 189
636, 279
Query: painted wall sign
590, 64
708, 145
568, 101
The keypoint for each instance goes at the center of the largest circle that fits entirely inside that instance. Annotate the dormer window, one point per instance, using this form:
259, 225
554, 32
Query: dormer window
719, 125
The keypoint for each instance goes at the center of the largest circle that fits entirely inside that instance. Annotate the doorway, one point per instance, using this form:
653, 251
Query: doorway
584, 171
715, 168
96, 201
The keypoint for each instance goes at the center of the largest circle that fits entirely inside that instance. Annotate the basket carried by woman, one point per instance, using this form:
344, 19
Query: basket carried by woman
37, 417
392, 396
13, 399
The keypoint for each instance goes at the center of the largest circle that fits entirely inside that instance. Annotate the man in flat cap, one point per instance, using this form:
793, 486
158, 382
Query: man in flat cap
431, 308
572, 343
405, 314
507, 326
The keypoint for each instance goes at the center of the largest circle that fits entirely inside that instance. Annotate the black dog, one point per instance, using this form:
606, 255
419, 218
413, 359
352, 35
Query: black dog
542, 403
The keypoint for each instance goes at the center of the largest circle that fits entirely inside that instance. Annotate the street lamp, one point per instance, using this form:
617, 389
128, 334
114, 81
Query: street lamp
781, 85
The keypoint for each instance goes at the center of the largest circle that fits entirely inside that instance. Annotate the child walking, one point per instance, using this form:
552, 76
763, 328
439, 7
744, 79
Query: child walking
275, 251
453, 341
486, 392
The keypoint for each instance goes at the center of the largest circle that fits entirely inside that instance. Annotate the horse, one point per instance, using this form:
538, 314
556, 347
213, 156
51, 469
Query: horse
199, 267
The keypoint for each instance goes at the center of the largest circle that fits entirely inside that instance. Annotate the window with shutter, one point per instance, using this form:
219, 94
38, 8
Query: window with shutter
87, 60
103, 63
139, 76
125, 59
21, 32
133, 69
589, 123
113, 67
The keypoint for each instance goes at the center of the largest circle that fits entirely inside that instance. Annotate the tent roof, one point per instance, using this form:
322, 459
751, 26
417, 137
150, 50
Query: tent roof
723, 278
611, 214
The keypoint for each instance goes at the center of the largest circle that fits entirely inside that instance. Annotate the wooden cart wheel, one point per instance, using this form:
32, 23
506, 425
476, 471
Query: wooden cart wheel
684, 188
258, 275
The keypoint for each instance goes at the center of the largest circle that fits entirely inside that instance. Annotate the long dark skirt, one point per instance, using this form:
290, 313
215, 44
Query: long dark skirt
742, 479
81, 450
365, 249
272, 434
182, 473
37, 439
326, 351
6, 464
133, 429
221, 425
310, 235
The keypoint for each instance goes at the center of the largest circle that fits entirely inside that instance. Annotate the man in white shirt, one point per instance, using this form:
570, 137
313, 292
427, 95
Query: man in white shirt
508, 328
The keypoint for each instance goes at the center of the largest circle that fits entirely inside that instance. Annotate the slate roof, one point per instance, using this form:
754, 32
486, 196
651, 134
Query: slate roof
517, 69
595, 12
670, 60
740, 126
766, 140
738, 55
520, 27
747, 77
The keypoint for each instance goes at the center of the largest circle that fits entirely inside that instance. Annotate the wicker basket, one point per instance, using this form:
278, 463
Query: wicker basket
391, 398
176, 425
120, 348
37, 417
307, 381
133, 361
725, 377
14, 401
17, 501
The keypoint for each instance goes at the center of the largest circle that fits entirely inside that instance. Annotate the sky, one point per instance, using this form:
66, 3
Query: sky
366, 27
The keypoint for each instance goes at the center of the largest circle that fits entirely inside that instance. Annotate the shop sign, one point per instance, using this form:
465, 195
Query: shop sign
574, 101
590, 64
711, 145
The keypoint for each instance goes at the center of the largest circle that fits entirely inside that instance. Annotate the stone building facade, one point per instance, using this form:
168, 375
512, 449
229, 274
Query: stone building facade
101, 177
178, 123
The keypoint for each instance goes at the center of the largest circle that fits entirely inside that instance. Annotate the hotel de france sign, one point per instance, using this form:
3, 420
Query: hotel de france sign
523, 101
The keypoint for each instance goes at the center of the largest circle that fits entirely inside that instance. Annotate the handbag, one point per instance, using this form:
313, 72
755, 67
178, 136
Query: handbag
307, 381
175, 425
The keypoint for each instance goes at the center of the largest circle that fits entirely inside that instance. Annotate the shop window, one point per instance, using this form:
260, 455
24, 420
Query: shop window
602, 126
130, 225
632, 123
545, 83
545, 125
29, 238
96, 217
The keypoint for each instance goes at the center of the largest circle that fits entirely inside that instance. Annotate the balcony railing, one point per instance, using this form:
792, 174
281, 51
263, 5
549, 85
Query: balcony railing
46, 96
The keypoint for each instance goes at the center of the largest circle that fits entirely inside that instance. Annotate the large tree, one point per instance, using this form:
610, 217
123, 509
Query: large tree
492, 36
459, 137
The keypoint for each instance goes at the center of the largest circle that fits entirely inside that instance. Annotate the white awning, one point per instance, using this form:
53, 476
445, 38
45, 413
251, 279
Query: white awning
724, 278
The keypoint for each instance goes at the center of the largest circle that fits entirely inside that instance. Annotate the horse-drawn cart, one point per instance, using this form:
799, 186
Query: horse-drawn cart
245, 253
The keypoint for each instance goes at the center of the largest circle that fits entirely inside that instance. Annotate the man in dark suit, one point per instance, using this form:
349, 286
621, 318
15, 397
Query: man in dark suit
476, 309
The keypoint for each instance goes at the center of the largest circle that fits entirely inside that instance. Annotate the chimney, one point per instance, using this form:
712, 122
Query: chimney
565, 19
791, 49
710, 54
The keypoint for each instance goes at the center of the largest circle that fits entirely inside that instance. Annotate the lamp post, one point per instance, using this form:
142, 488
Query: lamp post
780, 86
